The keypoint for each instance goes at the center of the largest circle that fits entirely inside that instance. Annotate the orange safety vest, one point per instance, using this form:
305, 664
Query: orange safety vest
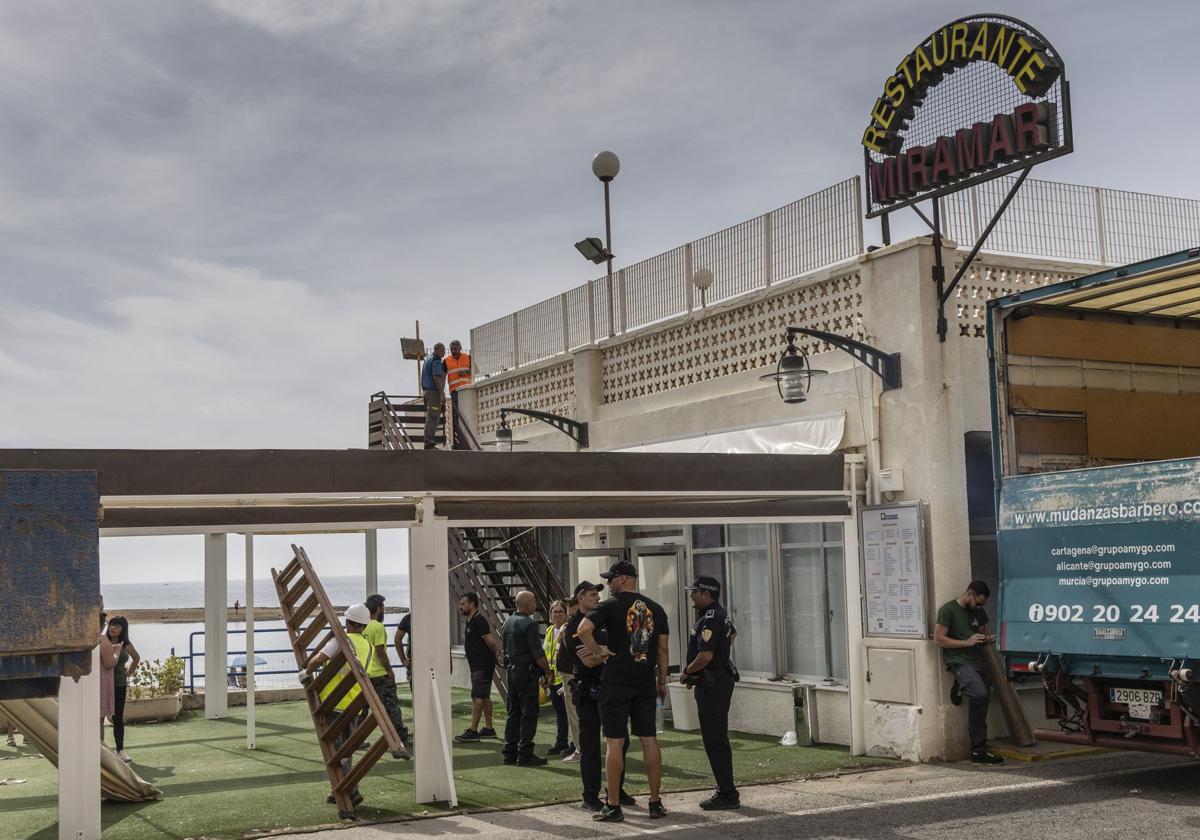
458, 371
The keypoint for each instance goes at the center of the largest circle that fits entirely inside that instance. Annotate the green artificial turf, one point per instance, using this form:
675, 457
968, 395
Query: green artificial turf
214, 787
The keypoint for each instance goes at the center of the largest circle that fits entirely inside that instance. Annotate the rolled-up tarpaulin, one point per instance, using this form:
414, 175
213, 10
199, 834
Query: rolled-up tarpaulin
38, 721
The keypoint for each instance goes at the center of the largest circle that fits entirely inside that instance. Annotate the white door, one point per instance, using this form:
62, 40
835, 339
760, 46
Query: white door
659, 578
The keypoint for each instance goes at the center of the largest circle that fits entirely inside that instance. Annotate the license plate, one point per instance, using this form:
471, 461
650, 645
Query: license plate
1135, 696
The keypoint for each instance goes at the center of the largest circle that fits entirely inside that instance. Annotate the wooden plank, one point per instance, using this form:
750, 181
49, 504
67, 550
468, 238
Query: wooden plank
1103, 341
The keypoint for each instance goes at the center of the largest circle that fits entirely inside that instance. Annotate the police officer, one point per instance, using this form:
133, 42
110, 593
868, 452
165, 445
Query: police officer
711, 673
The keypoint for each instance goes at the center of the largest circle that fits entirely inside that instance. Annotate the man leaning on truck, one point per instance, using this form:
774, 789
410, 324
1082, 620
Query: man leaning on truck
961, 630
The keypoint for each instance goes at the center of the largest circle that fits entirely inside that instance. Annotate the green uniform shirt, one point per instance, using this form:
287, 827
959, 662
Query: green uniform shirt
376, 634
961, 623
521, 640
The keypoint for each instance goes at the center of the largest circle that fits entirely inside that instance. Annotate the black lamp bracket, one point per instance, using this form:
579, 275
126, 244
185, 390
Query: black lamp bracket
884, 365
573, 429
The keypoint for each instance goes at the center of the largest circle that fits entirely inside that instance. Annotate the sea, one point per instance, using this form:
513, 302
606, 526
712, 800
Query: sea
275, 665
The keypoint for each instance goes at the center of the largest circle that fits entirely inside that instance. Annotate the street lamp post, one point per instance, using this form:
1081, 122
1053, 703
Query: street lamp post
605, 166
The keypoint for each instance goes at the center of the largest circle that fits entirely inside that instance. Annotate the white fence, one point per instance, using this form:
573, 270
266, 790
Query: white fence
818, 230
1073, 222
1048, 219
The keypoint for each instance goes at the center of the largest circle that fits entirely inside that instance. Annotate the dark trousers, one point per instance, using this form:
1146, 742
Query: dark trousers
118, 718
559, 700
385, 686
433, 416
459, 443
712, 706
522, 707
974, 682
590, 756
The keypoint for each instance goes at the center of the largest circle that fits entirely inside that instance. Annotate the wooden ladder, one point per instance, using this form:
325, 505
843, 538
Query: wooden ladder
302, 599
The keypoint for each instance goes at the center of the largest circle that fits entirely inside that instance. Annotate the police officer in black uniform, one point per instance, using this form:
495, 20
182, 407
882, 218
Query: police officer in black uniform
712, 675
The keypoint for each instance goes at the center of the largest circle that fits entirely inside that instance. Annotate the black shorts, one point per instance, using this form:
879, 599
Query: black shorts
481, 684
626, 704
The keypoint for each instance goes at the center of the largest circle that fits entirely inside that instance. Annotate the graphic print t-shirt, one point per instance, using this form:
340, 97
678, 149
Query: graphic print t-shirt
634, 624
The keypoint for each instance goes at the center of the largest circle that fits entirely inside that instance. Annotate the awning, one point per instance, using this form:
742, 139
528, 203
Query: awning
811, 436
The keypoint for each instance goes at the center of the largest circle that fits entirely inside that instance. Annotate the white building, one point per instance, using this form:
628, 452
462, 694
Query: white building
683, 371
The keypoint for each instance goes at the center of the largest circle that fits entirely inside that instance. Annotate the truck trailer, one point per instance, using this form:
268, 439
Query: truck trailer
1095, 390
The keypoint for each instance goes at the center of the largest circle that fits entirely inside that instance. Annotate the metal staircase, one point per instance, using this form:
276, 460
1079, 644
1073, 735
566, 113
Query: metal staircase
302, 599
495, 563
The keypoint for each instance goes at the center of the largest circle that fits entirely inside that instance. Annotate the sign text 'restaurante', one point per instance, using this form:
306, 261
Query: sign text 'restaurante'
1021, 55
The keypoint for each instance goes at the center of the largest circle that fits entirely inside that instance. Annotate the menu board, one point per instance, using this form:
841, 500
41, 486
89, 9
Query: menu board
892, 544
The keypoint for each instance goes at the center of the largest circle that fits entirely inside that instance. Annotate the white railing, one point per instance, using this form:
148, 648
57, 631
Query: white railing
1047, 219
819, 230
1073, 222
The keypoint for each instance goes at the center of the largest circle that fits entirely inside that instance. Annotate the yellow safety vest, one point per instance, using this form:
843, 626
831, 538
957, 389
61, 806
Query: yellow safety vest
362, 650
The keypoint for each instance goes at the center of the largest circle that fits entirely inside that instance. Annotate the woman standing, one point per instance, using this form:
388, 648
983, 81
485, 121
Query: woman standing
123, 652
558, 617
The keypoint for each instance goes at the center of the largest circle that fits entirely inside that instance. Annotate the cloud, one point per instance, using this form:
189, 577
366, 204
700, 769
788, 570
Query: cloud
221, 356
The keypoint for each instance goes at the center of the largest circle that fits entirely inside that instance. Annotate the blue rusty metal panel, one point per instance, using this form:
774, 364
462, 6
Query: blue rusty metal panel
1101, 567
49, 565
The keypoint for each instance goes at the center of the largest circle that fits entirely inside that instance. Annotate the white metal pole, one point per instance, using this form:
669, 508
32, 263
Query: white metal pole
250, 721
372, 562
856, 653
429, 575
79, 755
216, 626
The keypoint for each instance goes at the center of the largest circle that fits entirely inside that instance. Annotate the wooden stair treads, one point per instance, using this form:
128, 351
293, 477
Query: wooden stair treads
294, 579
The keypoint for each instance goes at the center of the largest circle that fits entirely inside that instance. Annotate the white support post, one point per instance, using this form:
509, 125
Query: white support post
79, 755
856, 664
372, 562
216, 626
688, 272
250, 722
429, 576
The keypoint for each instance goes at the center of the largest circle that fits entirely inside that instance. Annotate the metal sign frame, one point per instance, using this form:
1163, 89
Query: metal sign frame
992, 131
922, 569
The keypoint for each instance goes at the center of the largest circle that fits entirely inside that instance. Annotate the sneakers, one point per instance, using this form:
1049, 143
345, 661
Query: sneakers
469, 736
717, 802
609, 813
510, 759
12, 740
956, 694
626, 799
530, 760
574, 758
488, 732
591, 803
124, 756
986, 757
402, 754
561, 749
656, 809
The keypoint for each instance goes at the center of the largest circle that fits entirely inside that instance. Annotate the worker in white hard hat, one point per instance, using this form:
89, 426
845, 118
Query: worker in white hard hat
355, 618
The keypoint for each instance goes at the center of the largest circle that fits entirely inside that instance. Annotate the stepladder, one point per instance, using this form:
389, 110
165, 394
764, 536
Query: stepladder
342, 725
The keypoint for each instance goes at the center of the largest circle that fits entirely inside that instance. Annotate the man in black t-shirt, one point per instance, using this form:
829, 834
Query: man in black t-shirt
483, 653
636, 657
585, 693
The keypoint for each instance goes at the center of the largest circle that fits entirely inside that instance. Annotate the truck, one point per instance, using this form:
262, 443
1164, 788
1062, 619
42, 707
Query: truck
1095, 400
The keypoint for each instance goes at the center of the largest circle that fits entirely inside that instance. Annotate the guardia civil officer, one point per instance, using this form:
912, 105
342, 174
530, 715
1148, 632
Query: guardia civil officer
711, 674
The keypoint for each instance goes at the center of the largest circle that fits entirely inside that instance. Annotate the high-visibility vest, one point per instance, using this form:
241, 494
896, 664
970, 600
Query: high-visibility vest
458, 371
362, 650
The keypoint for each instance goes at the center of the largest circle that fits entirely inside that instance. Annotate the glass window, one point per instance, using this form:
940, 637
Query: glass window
836, 581
800, 532
708, 536
804, 620
746, 535
750, 607
713, 565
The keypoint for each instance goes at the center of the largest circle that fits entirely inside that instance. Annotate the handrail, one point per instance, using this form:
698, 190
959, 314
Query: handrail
193, 653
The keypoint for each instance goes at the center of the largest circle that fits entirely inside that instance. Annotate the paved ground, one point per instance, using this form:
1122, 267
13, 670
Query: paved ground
1114, 795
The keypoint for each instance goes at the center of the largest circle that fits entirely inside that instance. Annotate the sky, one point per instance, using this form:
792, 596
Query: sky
218, 218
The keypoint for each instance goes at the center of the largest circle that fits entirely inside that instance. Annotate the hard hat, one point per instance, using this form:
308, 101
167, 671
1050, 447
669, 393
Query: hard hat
358, 613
